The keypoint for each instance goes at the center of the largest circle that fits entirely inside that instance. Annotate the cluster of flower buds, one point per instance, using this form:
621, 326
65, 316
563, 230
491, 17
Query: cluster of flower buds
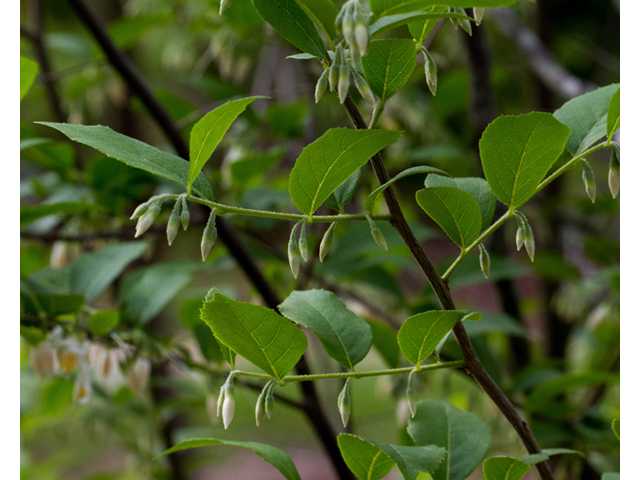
338, 78
377, 234
327, 240
614, 170
524, 235
485, 261
412, 401
179, 216
344, 402
209, 235
463, 23
431, 71
298, 249
146, 214
354, 24
226, 402
265, 402
589, 179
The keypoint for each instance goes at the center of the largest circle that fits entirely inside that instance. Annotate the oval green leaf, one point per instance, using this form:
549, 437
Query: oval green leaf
329, 161
504, 468
518, 151
344, 335
388, 65
276, 457
266, 339
455, 210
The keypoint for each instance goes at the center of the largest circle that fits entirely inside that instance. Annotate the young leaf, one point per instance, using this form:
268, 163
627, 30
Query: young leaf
518, 151
420, 334
385, 342
388, 65
372, 460
344, 193
28, 71
586, 115
381, 8
422, 28
423, 18
613, 116
464, 435
504, 468
323, 13
276, 457
345, 336
292, 23
93, 272
477, 187
136, 154
207, 133
455, 210
326, 163
259, 334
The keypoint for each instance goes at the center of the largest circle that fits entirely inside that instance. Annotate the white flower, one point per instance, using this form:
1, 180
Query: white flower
228, 408
138, 375
82, 389
44, 359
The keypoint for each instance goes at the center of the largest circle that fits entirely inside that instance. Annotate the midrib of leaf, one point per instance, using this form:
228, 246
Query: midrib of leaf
264, 352
507, 473
203, 143
424, 339
373, 463
462, 240
524, 152
295, 20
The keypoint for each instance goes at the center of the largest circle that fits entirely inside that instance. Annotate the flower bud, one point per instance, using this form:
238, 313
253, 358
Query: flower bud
174, 223
348, 24
303, 244
184, 214
221, 399
146, 220
334, 69
140, 210
589, 180
363, 87
321, 86
614, 170
520, 233
526, 235
293, 252
260, 410
478, 13
411, 395
344, 402
361, 29
209, 235
464, 22
269, 400
485, 261
377, 234
224, 4
325, 245
343, 82
228, 407
431, 71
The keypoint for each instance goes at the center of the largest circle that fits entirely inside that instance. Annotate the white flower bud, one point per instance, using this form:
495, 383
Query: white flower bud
478, 13
146, 220
261, 409
209, 235
184, 214
463, 22
82, 388
343, 82
485, 261
431, 71
228, 408
344, 402
589, 180
411, 395
525, 235
363, 87
614, 170
293, 252
173, 224
377, 234
362, 31
321, 86
348, 23
327, 240
303, 244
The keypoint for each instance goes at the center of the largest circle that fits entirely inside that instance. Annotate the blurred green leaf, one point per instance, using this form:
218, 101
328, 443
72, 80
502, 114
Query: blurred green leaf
323, 13
56, 395
29, 214
385, 342
391, 7
420, 29
425, 18
100, 323
28, 71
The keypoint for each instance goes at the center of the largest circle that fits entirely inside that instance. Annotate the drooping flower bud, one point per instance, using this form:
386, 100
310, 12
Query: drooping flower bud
377, 234
294, 252
334, 69
209, 235
348, 23
303, 245
343, 82
464, 23
485, 261
454, 21
344, 402
140, 210
520, 233
184, 214
173, 225
430, 71
363, 87
327, 240
147, 219
269, 400
228, 407
321, 86
589, 180
411, 395
260, 410
614, 170
478, 13
526, 235
361, 29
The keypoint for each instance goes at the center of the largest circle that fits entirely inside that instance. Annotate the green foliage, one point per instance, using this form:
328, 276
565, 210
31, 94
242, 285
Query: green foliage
464, 435
517, 152
613, 115
344, 193
388, 65
29, 214
323, 13
56, 395
329, 161
514, 468
420, 20
276, 457
28, 71
345, 336
385, 342
420, 29
392, 7
258, 334
100, 323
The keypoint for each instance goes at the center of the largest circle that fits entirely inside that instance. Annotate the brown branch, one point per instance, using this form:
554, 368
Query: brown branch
441, 288
313, 409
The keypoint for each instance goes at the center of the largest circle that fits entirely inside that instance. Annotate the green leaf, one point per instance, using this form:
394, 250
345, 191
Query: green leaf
504, 468
546, 391
613, 116
93, 272
477, 187
421, 29
259, 334
586, 115
56, 395
292, 23
373, 196
455, 210
135, 153
29, 213
420, 334
56, 305
387, 23
102, 322
329, 161
615, 426
382, 8
344, 193
372, 460
208, 132
388, 65
323, 13
385, 342
344, 335
518, 151
228, 354
28, 71
148, 290
464, 435
276, 457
